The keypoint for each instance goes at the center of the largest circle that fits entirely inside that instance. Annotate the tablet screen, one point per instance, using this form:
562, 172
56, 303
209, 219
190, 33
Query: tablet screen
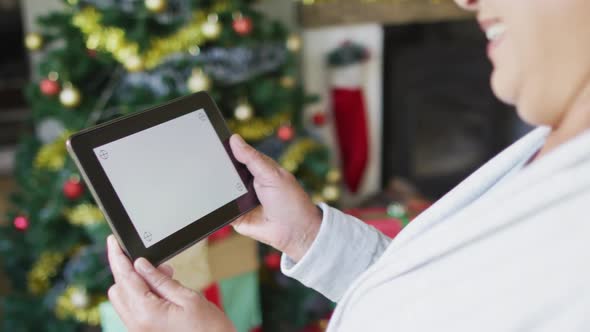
170, 175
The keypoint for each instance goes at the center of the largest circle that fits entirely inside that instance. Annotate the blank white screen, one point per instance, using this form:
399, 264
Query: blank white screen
171, 175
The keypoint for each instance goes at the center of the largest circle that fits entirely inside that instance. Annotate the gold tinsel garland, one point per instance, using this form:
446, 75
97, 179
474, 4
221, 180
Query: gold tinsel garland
84, 215
113, 40
52, 156
256, 129
88, 314
45, 268
295, 154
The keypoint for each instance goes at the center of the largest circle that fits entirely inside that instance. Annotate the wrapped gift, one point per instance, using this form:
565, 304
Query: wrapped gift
225, 269
392, 218
378, 218
233, 262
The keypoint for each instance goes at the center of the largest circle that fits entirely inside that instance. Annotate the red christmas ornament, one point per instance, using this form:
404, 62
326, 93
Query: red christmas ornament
273, 261
242, 25
73, 189
91, 53
21, 223
286, 133
319, 119
49, 87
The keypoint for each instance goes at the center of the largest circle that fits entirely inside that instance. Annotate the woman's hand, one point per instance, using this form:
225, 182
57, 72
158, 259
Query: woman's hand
148, 299
287, 220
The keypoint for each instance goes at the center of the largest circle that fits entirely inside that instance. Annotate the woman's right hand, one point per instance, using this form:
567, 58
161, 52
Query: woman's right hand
287, 218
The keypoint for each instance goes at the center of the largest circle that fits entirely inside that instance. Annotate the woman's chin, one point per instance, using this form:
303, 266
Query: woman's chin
503, 88
527, 108
529, 118
535, 115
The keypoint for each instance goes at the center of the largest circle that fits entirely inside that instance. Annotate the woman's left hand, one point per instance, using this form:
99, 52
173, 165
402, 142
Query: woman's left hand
148, 299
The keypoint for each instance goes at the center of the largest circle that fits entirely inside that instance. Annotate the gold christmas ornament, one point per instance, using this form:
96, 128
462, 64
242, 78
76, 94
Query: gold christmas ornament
195, 50
290, 166
331, 193
323, 324
70, 96
133, 63
156, 6
334, 175
244, 111
198, 81
294, 43
317, 198
287, 82
84, 215
211, 28
52, 156
67, 306
79, 298
44, 269
33, 41
53, 75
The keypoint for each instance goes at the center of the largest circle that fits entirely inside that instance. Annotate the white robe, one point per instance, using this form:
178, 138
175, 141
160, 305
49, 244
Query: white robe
503, 251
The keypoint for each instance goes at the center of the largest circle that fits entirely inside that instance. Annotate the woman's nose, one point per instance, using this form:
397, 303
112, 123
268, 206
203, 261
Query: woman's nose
468, 4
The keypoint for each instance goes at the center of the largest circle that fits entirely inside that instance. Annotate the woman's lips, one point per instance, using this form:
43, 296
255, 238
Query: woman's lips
494, 30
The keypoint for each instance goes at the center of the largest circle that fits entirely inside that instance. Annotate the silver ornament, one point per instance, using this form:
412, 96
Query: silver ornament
49, 129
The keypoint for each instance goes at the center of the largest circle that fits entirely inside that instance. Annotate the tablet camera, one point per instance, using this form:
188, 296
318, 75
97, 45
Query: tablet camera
147, 236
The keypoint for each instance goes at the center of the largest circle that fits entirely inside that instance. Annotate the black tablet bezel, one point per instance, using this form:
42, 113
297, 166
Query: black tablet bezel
81, 145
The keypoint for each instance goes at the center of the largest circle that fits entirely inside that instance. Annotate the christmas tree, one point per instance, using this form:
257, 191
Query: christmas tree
104, 59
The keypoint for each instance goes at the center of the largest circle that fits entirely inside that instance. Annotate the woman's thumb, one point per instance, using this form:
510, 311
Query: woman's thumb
258, 164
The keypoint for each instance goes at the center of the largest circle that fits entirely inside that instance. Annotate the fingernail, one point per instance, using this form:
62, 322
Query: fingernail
110, 240
143, 265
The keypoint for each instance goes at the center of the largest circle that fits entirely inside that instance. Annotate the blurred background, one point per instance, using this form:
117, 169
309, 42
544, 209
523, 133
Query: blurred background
378, 107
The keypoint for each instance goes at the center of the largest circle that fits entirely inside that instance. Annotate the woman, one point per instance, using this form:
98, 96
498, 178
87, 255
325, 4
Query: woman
506, 250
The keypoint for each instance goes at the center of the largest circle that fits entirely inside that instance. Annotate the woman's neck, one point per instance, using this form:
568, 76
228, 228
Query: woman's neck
575, 121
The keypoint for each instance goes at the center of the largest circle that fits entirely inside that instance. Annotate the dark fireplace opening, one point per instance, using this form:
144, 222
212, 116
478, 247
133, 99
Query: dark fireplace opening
14, 74
441, 119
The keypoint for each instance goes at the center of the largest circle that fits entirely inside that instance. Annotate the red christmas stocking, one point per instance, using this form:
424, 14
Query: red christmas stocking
351, 128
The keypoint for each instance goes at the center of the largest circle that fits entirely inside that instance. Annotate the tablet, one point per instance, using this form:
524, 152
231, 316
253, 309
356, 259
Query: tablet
164, 178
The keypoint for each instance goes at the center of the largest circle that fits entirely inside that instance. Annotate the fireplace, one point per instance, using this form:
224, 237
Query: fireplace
14, 75
432, 116
441, 120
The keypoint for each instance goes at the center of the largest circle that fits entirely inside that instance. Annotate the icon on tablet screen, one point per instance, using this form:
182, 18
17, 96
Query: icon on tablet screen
240, 186
103, 154
147, 236
202, 116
